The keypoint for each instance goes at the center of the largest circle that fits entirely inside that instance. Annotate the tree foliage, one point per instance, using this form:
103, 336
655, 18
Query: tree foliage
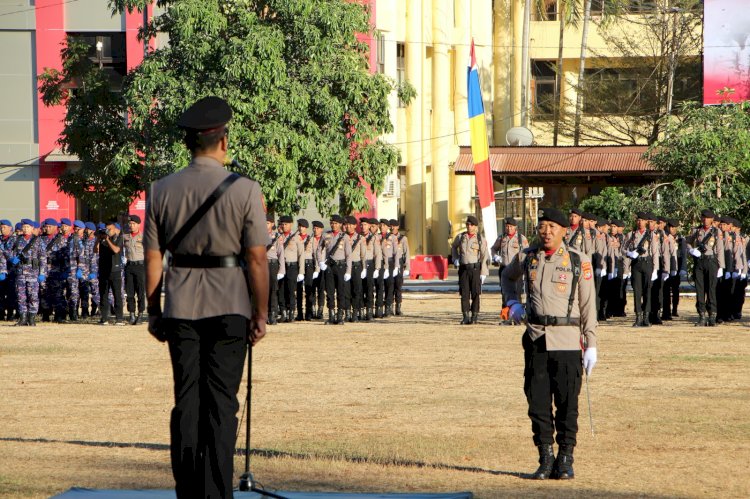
307, 111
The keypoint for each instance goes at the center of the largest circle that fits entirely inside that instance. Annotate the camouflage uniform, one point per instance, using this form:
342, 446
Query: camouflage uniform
58, 266
90, 284
32, 263
8, 302
76, 274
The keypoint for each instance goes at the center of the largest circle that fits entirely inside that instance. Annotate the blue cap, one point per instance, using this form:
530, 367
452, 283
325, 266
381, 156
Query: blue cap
27, 221
90, 225
7, 222
65, 221
117, 226
51, 221
35, 224
19, 225
78, 224
101, 226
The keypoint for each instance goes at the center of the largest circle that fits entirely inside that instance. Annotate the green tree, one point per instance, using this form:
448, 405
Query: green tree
95, 130
307, 111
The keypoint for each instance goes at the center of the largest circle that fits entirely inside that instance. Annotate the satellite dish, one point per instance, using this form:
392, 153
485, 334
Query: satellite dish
519, 136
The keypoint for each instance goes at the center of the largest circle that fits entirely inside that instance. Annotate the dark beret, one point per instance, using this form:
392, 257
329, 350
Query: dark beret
317, 223
101, 226
206, 114
7, 222
471, 219
553, 215
350, 220
365, 220
587, 216
383, 221
35, 224
337, 218
51, 221
19, 225
673, 222
285, 219
303, 223
269, 217
616, 223
510, 221
90, 226
736, 222
576, 211
661, 219
27, 221
134, 218
707, 214
66, 221
79, 224
602, 221
393, 222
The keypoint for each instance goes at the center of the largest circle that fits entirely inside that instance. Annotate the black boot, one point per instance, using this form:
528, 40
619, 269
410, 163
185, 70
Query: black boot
60, 317
674, 312
701, 320
23, 320
466, 320
398, 309
138, 319
546, 462
319, 315
645, 322
31, 320
84, 313
131, 319
656, 320
638, 320
358, 315
474, 318
272, 320
308, 314
339, 317
348, 317
94, 309
563, 468
379, 315
299, 315
283, 315
73, 314
331, 319
45, 315
289, 315
388, 310
711, 319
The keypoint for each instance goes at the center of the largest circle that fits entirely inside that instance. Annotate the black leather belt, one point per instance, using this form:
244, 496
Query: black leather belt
137, 262
204, 262
338, 263
309, 263
471, 265
550, 320
292, 264
357, 264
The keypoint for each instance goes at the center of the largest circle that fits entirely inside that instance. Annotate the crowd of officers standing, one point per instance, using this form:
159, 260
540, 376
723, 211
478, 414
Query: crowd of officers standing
64, 270
355, 270
653, 257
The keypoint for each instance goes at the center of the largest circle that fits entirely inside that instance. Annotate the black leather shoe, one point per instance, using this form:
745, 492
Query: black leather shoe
638, 320
711, 320
474, 318
563, 467
546, 462
398, 309
131, 319
31, 320
23, 320
466, 319
656, 320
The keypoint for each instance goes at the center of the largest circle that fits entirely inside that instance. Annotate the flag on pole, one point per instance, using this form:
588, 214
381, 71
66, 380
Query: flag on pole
480, 152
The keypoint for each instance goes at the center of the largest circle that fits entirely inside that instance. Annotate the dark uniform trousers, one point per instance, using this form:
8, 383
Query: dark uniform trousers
335, 285
398, 285
739, 297
353, 288
111, 282
657, 295
207, 360
135, 284
552, 376
705, 268
388, 283
469, 286
318, 290
8, 294
273, 288
725, 298
380, 288
368, 285
640, 278
288, 296
671, 297
305, 288
503, 299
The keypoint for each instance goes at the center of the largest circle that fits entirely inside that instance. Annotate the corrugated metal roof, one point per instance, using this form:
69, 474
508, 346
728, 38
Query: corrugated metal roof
560, 160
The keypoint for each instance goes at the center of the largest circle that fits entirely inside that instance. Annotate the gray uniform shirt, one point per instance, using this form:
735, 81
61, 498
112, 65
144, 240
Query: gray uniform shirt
714, 244
471, 249
236, 221
133, 247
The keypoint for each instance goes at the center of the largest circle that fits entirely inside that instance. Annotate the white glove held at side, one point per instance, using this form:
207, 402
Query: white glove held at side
589, 360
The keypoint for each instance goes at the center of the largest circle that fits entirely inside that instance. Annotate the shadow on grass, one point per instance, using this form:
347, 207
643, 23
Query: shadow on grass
272, 453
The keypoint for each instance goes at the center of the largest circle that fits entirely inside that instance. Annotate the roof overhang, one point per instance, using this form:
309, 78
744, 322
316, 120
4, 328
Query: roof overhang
59, 156
545, 165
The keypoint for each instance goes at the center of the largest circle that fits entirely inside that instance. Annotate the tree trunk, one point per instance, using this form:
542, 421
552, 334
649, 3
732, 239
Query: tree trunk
558, 74
581, 68
525, 64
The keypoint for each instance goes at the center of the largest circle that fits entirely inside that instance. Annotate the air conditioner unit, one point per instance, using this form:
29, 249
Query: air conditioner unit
392, 188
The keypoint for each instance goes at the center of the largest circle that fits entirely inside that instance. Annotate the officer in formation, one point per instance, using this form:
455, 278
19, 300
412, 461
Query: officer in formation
470, 256
294, 268
560, 337
403, 264
135, 270
506, 247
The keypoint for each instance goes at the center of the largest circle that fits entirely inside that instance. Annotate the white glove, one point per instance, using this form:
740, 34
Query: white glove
589, 360
632, 254
455, 263
625, 276
654, 275
376, 274
672, 273
727, 275
735, 275
323, 266
386, 274
482, 278
316, 274
497, 259
406, 273
743, 276
599, 272
363, 274
614, 273
300, 277
279, 277
720, 273
695, 253
610, 276
683, 273
347, 277
395, 271
664, 276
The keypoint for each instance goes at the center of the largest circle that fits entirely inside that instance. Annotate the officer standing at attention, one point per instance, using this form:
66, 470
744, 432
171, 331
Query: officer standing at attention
677, 272
666, 244
354, 288
208, 317
294, 259
506, 247
470, 256
135, 271
276, 268
90, 291
29, 256
706, 246
77, 256
403, 264
335, 259
305, 286
642, 262
391, 255
561, 319
576, 233
7, 287
319, 282
110, 268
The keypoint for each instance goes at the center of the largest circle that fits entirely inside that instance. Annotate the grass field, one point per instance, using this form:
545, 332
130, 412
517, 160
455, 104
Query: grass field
416, 404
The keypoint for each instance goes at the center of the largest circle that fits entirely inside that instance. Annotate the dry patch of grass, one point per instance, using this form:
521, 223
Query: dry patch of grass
416, 404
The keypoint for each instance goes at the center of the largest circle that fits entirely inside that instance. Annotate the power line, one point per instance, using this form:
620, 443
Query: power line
36, 8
